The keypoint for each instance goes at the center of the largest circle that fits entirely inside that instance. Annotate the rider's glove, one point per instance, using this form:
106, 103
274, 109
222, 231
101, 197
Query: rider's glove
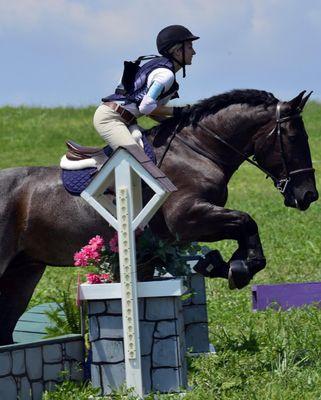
180, 112
183, 115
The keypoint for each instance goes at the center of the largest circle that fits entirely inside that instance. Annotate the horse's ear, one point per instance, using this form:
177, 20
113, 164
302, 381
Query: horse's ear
296, 102
304, 100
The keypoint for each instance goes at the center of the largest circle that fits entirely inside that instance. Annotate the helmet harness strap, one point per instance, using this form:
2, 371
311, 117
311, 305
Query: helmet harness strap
183, 63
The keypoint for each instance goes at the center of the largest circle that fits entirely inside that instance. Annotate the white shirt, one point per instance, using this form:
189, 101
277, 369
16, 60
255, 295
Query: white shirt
164, 77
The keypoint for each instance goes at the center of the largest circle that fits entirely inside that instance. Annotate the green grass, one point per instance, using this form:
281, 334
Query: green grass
266, 355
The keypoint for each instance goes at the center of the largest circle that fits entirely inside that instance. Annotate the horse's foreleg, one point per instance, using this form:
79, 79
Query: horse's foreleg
202, 221
246, 261
16, 288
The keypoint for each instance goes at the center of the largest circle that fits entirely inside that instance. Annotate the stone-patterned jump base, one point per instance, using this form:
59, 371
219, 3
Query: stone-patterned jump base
195, 316
162, 344
168, 327
162, 336
28, 369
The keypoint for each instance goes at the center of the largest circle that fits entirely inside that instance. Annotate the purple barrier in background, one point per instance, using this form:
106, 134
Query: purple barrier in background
286, 295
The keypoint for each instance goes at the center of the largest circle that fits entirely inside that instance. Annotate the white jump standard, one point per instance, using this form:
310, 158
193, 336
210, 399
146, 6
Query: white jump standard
126, 168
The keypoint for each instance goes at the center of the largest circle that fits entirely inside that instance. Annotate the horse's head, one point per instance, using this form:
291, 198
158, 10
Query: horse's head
283, 150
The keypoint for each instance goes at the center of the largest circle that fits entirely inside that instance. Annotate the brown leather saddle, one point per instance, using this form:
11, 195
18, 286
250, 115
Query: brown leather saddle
77, 152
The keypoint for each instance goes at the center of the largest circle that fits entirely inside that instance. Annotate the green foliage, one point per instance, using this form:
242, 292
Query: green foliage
72, 391
266, 355
166, 256
65, 318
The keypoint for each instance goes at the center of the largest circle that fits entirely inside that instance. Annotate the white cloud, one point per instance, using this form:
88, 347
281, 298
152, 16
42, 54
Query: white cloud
101, 23
128, 23
244, 43
77, 21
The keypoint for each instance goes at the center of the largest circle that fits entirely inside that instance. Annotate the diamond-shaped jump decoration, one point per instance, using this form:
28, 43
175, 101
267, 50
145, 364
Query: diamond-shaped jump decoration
141, 168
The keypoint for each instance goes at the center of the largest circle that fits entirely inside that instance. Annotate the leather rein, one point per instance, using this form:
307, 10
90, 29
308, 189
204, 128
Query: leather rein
280, 183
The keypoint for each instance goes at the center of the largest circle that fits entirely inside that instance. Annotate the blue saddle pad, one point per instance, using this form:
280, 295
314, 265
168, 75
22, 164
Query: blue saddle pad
75, 181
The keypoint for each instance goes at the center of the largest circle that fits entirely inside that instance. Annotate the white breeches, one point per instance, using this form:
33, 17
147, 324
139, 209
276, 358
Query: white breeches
113, 129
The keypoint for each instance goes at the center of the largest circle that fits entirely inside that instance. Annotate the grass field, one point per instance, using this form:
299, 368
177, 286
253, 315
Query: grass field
266, 355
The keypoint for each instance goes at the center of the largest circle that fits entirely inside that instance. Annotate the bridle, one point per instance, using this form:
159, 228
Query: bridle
280, 183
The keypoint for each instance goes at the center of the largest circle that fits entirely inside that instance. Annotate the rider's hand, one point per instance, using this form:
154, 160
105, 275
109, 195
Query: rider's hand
181, 112
183, 116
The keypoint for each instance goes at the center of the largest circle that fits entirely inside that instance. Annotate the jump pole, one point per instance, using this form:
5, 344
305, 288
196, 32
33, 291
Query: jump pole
285, 295
127, 167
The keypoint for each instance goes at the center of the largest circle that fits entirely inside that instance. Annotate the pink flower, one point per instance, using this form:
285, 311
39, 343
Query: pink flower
80, 259
93, 278
98, 278
97, 243
113, 243
105, 278
89, 253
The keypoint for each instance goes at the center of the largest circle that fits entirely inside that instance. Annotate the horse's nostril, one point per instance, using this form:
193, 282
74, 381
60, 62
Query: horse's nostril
309, 197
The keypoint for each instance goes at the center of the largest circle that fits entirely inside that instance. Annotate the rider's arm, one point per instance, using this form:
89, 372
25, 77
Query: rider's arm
162, 111
159, 81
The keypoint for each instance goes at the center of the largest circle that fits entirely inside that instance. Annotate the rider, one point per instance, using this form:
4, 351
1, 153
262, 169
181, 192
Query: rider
153, 86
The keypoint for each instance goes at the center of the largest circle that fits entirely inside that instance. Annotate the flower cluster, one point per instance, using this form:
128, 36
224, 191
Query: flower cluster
91, 253
95, 255
98, 278
151, 253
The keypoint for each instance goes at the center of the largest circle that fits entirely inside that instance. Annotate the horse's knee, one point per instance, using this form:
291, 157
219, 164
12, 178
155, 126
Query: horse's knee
248, 224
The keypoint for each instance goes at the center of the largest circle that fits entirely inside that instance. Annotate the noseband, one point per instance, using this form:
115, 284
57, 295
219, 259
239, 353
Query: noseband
280, 183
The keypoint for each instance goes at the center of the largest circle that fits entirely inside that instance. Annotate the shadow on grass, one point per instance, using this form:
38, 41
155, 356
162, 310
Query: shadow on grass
244, 343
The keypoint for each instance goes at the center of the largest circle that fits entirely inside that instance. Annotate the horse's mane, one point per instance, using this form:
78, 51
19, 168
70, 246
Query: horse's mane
213, 104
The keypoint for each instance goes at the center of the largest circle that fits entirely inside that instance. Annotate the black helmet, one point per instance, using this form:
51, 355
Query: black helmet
172, 35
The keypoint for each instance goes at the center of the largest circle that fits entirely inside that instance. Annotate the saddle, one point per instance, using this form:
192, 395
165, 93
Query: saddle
81, 163
77, 152
79, 157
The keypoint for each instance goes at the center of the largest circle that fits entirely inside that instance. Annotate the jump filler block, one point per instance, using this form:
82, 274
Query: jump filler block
285, 296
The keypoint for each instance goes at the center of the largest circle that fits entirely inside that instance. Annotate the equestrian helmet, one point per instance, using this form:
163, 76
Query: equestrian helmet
172, 35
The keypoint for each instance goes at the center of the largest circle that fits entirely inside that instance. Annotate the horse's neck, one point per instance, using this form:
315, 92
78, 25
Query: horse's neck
237, 125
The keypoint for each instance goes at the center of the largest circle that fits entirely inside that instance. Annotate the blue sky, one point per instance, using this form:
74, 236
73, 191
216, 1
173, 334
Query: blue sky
70, 52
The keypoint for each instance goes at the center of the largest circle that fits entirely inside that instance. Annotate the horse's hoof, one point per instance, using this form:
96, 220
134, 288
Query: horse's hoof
238, 274
212, 266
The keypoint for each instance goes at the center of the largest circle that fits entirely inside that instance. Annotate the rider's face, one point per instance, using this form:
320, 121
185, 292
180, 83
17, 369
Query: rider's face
189, 53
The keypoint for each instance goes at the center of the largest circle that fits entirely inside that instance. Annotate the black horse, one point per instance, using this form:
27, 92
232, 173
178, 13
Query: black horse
41, 224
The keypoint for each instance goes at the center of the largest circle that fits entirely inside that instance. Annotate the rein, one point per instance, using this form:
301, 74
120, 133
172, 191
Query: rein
204, 153
159, 164
243, 155
280, 183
